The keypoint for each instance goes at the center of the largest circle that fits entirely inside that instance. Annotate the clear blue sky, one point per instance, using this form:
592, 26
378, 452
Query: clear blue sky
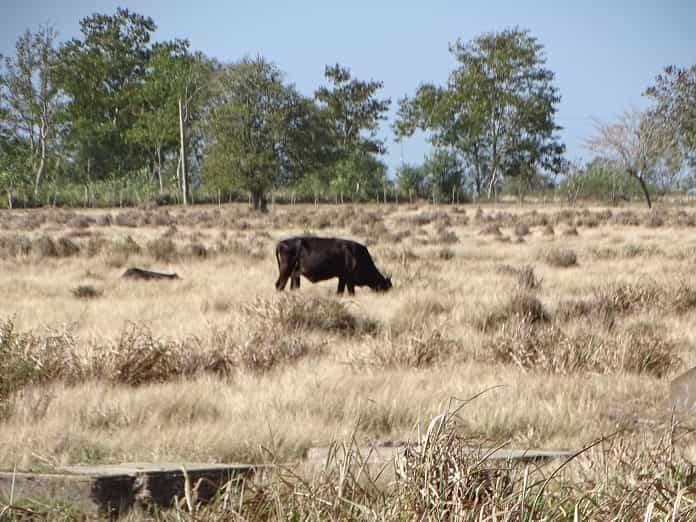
604, 53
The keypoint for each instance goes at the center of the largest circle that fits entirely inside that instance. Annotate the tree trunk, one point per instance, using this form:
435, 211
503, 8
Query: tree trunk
258, 200
184, 179
159, 168
644, 187
42, 168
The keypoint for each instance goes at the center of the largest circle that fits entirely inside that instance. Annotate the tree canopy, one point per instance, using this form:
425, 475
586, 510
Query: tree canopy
497, 109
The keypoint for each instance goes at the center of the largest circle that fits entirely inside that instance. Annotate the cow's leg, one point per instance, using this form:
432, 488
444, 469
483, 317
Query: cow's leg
351, 287
295, 281
341, 286
281, 282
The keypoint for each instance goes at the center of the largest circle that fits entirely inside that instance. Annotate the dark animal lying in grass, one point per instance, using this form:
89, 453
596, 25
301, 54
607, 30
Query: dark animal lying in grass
321, 258
146, 275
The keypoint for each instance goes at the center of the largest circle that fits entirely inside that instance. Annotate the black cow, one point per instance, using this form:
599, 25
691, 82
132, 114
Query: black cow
321, 258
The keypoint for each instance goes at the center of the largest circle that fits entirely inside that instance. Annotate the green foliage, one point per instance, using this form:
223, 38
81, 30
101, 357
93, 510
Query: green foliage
102, 74
30, 104
352, 109
497, 110
445, 175
261, 131
675, 95
411, 180
360, 176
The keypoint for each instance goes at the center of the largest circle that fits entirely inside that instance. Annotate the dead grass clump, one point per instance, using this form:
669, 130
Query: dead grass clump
81, 222
683, 298
684, 219
626, 218
131, 218
44, 246
548, 230
546, 348
86, 292
125, 248
261, 348
446, 236
527, 279
521, 230
197, 250
654, 220
414, 348
95, 245
66, 247
162, 218
27, 359
625, 297
445, 254
491, 230
104, 220
560, 257
313, 313
638, 250
137, 357
162, 249
522, 307
570, 231
14, 245
613, 300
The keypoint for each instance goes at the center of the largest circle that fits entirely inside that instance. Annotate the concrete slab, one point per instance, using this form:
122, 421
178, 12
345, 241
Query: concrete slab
682, 392
385, 453
116, 488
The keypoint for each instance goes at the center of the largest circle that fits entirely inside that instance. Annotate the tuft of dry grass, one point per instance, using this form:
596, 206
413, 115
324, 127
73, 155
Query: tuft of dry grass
560, 257
313, 313
640, 349
412, 348
86, 292
522, 307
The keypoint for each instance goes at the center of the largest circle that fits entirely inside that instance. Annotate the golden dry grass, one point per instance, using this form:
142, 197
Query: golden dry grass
377, 382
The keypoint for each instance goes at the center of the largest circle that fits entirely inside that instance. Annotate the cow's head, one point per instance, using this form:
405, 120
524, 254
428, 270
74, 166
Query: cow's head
384, 285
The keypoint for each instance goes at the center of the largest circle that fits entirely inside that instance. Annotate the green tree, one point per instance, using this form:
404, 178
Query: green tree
496, 111
261, 132
361, 175
173, 73
30, 99
445, 174
102, 74
353, 111
675, 95
411, 180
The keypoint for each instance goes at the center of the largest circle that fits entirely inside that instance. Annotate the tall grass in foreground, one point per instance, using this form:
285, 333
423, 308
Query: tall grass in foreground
444, 477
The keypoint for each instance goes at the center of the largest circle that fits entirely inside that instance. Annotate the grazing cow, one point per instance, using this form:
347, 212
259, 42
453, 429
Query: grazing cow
321, 258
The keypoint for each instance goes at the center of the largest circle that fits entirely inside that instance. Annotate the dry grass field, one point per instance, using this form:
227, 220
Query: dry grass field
573, 320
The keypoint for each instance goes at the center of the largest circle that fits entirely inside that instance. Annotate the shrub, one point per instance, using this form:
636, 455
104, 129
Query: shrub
408, 349
44, 247
86, 292
130, 218
317, 313
14, 245
162, 249
521, 230
66, 248
560, 257
521, 307
640, 349
127, 247
445, 254
491, 230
